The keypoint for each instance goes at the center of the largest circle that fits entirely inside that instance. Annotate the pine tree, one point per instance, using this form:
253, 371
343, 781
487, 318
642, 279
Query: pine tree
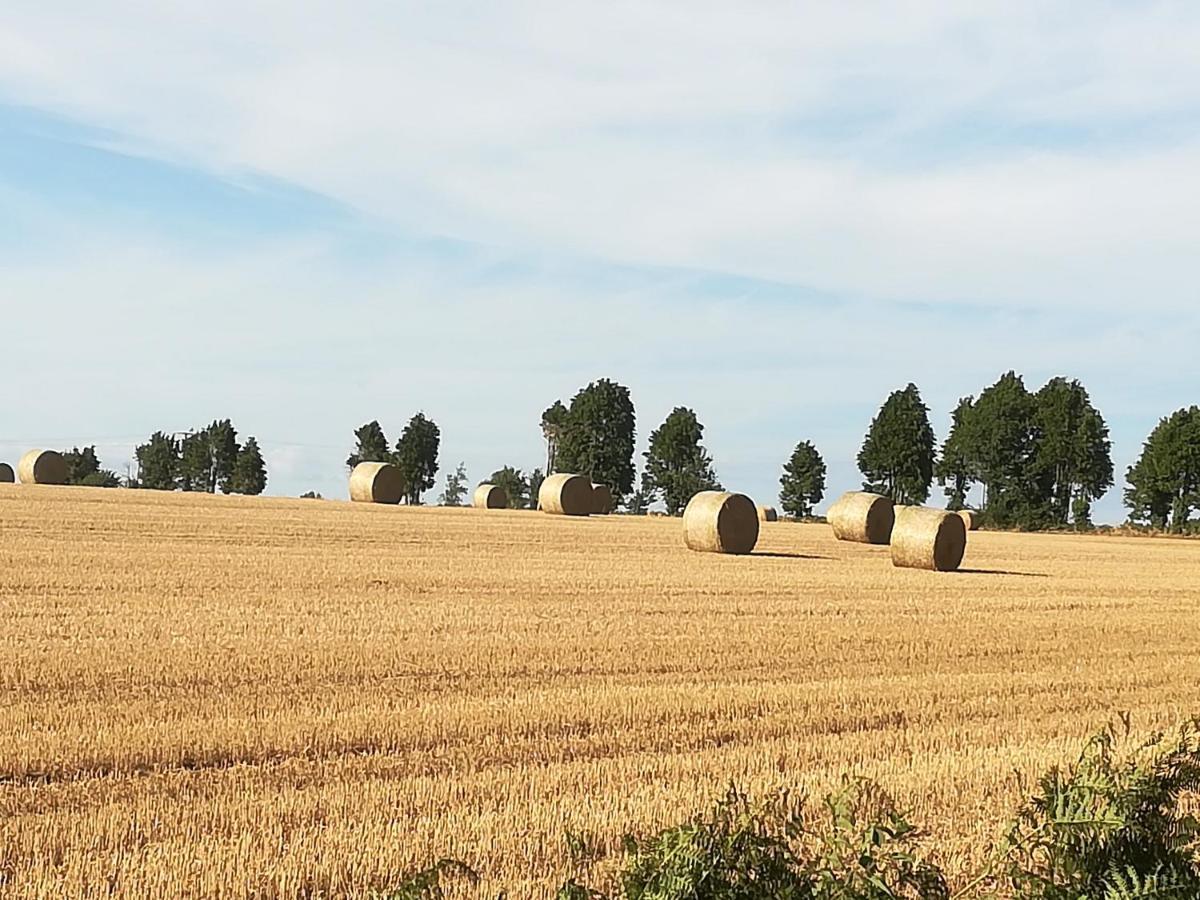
223, 452
597, 438
802, 485
955, 469
677, 465
417, 456
158, 462
371, 446
1073, 458
195, 463
249, 474
897, 455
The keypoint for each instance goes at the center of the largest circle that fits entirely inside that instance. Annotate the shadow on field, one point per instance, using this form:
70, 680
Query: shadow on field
770, 555
1002, 572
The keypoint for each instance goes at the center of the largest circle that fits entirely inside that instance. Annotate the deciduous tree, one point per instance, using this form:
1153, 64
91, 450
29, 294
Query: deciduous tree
897, 455
677, 465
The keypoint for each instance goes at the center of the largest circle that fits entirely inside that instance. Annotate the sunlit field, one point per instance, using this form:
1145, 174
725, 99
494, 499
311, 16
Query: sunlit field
223, 697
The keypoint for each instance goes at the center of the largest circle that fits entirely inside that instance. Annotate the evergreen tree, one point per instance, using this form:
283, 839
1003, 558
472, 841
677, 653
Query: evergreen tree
554, 419
955, 469
249, 475
223, 452
158, 462
417, 456
456, 487
598, 436
81, 464
536, 477
1164, 484
372, 445
897, 455
1004, 440
677, 465
515, 485
1074, 459
195, 463
802, 485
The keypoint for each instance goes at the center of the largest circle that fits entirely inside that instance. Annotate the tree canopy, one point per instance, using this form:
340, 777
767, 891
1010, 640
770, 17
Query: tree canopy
515, 484
897, 455
677, 465
1164, 484
417, 456
597, 438
802, 485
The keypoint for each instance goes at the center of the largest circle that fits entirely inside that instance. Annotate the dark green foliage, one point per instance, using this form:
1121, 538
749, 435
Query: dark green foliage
249, 471
207, 458
224, 450
158, 462
456, 487
897, 455
371, 445
1004, 446
677, 465
515, 485
1073, 458
1164, 484
427, 884
554, 419
955, 469
105, 478
597, 437
1113, 826
536, 477
417, 456
81, 464
802, 485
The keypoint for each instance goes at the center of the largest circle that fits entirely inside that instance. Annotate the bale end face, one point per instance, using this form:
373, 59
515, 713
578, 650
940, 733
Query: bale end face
376, 482
42, 467
566, 495
970, 518
862, 517
720, 522
767, 514
602, 499
7, 476
930, 539
490, 496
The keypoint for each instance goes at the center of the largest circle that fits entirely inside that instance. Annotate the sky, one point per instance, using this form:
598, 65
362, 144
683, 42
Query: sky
304, 216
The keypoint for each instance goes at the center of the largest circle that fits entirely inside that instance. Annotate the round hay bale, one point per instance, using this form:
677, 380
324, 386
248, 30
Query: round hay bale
490, 496
566, 495
767, 514
602, 499
862, 517
928, 539
42, 467
376, 482
6, 474
720, 522
970, 518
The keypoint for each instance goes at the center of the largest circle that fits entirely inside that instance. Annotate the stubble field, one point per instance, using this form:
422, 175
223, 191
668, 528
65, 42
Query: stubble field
220, 697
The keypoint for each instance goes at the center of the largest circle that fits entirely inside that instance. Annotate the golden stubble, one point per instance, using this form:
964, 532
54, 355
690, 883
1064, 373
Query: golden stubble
225, 697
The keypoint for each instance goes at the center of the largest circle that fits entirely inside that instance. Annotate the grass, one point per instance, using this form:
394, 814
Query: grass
229, 697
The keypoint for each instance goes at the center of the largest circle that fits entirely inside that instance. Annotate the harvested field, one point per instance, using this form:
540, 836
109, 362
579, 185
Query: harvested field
224, 697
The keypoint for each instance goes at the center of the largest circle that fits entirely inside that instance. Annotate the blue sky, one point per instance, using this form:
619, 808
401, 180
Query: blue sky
774, 214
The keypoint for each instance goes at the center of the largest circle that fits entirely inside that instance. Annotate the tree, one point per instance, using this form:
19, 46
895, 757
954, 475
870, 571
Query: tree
554, 418
597, 438
158, 462
456, 487
372, 445
1073, 458
249, 475
536, 477
80, 463
223, 453
955, 469
802, 485
515, 485
677, 465
195, 463
105, 478
417, 456
1004, 438
897, 455
1164, 484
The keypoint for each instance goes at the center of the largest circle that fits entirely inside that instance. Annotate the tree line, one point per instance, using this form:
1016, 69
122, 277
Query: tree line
205, 460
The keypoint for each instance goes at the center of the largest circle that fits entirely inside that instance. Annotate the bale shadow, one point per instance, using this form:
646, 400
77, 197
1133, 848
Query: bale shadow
775, 555
1003, 572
